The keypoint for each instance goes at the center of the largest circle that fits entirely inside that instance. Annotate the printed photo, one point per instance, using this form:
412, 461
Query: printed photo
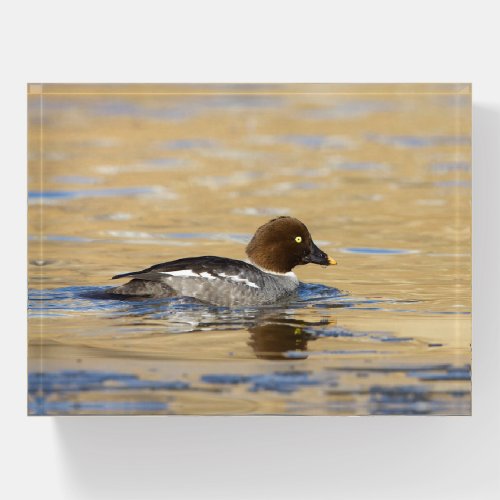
249, 249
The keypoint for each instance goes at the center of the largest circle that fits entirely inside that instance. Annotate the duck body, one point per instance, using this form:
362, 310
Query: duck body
275, 249
216, 280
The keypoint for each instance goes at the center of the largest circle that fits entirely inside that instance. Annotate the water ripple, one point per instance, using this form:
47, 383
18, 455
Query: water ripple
378, 251
37, 196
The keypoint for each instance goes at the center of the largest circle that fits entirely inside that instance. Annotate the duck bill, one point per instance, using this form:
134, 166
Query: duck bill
317, 256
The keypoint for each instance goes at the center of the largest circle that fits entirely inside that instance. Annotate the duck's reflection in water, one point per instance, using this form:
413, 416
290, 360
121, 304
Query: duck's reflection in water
284, 338
274, 335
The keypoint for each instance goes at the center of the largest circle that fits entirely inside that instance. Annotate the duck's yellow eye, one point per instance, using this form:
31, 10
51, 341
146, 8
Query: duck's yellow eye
298, 239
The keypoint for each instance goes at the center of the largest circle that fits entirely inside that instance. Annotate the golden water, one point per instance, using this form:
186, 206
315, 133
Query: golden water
123, 177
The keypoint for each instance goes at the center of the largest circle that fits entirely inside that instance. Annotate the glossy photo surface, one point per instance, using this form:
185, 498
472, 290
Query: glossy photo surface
122, 177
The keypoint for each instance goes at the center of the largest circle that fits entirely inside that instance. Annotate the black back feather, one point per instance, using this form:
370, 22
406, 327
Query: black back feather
198, 265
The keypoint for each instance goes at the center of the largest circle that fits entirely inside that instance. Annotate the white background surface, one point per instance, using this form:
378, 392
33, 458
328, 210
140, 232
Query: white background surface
231, 41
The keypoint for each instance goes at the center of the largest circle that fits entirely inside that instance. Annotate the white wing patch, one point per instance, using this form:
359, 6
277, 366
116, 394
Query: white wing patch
208, 276
188, 273
238, 279
183, 272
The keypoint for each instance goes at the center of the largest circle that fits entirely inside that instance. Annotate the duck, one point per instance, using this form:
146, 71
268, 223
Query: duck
276, 248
